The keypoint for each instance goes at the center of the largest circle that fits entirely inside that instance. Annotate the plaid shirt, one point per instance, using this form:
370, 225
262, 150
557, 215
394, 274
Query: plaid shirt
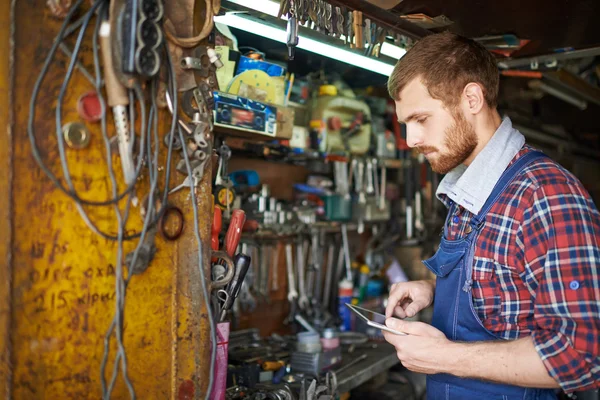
535, 270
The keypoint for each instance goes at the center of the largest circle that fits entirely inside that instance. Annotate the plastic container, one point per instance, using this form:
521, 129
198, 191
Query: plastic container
345, 296
308, 342
338, 208
346, 109
220, 383
330, 339
374, 288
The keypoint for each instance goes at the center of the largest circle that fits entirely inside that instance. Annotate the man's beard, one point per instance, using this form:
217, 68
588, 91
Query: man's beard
461, 141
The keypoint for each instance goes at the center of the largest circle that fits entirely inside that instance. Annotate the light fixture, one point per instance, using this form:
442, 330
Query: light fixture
240, 21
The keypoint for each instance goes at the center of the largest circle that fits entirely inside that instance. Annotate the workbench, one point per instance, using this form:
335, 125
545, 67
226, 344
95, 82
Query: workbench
378, 360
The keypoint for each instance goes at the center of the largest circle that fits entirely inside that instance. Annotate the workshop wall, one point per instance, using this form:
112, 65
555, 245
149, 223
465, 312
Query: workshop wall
61, 275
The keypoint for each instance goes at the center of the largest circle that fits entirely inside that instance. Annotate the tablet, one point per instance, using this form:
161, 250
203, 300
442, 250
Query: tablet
373, 319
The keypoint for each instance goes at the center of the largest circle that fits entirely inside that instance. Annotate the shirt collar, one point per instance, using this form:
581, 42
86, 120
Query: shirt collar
471, 186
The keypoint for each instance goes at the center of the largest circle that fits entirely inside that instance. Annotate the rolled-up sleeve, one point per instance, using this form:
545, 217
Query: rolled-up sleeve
560, 235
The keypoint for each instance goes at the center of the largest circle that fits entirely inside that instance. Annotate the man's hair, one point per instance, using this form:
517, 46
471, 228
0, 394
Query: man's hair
446, 63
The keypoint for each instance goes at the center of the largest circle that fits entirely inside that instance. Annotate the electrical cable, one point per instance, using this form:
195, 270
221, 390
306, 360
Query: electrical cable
146, 226
33, 102
80, 202
152, 130
121, 219
58, 116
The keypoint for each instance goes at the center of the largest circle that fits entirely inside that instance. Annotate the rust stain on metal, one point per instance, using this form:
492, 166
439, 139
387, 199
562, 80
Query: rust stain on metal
186, 390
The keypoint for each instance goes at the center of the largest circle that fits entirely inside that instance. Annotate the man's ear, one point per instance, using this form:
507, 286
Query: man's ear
473, 98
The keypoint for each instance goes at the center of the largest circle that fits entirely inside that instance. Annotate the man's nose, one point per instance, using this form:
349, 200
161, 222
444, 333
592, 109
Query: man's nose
413, 137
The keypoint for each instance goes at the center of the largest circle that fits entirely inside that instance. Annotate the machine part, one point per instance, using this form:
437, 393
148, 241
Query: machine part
214, 57
188, 182
176, 142
76, 135
177, 214
141, 37
191, 63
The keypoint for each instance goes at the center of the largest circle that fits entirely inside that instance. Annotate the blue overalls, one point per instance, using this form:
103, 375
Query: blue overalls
453, 311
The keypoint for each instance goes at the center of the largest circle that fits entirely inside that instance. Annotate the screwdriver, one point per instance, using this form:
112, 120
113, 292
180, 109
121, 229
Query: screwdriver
241, 263
234, 232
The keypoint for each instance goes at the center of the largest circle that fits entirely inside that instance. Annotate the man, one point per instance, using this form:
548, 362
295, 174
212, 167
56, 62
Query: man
517, 294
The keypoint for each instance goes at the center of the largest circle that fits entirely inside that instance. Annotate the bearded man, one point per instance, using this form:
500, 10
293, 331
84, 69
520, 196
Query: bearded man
517, 292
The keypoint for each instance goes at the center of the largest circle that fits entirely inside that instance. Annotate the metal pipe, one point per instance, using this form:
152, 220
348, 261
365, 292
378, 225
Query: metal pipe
559, 94
549, 58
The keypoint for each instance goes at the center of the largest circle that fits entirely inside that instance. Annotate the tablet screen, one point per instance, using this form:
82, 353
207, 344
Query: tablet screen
368, 314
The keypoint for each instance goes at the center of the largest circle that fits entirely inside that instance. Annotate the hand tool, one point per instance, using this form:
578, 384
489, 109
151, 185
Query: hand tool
275, 278
216, 228
292, 295
383, 187
221, 275
242, 263
118, 99
346, 252
234, 232
329, 275
303, 301
292, 31
223, 190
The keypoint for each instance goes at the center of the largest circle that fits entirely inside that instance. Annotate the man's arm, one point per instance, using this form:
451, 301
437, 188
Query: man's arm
427, 350
513, 362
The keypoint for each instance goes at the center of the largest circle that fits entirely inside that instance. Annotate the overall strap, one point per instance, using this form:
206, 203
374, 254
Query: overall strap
506, 178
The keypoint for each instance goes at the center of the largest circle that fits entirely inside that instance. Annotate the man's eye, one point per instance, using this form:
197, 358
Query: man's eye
422, 120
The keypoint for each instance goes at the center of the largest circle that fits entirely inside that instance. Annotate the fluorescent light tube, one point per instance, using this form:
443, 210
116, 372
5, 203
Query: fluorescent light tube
264, 6
237, 21
390, 50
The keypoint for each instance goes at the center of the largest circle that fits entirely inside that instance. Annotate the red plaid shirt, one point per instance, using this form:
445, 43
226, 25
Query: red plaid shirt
536, 270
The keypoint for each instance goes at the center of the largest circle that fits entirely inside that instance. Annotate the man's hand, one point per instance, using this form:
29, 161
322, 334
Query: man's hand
422, 350
408, 298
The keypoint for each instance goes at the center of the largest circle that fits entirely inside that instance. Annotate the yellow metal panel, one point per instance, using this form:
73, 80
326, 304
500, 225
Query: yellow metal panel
5, 204
63, 275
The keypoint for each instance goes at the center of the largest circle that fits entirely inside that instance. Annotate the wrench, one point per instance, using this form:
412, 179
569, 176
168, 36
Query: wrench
303, 301
264, 264
247, 301
292, 295
317, 260
275, 278
329, 276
